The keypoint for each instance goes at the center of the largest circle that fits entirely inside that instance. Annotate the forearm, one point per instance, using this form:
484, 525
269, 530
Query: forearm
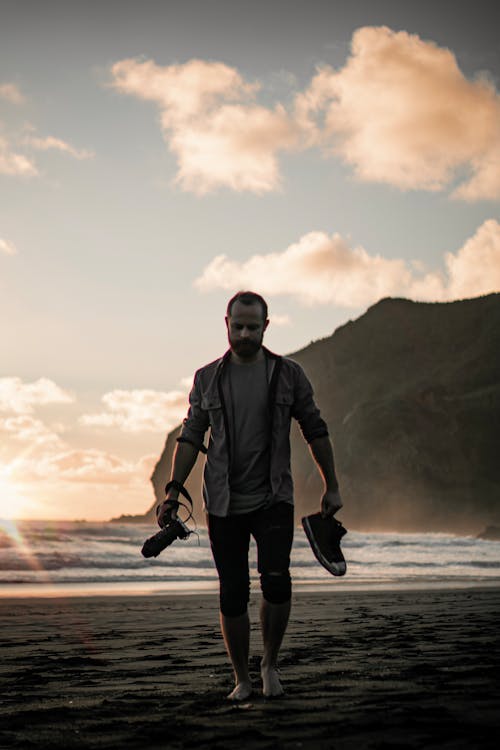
322, 452
184, 459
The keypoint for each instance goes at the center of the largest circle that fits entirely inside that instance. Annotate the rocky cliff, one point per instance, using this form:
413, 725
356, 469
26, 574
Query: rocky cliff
411, 393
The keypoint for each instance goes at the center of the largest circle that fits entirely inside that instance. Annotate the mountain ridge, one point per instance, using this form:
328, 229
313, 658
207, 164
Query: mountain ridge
411, 394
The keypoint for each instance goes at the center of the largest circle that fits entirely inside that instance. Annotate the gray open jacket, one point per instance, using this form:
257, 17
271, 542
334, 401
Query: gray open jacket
290, 395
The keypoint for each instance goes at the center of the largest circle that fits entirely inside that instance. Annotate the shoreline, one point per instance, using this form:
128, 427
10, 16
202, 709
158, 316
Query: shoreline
371, 669
336, 587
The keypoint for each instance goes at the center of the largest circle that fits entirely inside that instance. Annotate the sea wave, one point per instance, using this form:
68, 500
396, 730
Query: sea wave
80, 552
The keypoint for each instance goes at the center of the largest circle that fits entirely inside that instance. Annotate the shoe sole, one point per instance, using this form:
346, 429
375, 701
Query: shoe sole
335, 568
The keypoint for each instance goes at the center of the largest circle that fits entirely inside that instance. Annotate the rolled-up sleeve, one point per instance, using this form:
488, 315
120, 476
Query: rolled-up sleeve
196, 422
304, 408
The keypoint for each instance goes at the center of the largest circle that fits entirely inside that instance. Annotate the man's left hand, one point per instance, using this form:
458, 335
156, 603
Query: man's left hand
331, 502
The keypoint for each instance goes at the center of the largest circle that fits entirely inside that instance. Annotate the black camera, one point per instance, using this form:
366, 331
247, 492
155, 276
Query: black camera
155, 544
175, 529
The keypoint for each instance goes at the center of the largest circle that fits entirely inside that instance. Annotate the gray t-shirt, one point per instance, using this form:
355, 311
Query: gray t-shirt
249, 481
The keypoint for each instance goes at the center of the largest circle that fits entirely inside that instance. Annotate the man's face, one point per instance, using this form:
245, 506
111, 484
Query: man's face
245, 329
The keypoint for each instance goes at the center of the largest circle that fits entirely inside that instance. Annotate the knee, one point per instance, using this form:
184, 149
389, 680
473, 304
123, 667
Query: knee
234, 597
276, 587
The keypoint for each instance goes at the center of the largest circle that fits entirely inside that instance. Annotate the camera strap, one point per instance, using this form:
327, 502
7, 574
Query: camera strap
182, 491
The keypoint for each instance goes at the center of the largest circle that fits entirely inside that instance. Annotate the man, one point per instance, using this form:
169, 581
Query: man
247, 399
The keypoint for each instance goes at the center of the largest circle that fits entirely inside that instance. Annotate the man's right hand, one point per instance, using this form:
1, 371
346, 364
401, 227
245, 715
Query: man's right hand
167, 512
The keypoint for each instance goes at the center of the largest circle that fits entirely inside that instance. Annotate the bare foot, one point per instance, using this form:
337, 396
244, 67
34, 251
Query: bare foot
271, 685
241, 692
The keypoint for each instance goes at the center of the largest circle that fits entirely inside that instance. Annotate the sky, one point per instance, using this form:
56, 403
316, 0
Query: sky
156, 157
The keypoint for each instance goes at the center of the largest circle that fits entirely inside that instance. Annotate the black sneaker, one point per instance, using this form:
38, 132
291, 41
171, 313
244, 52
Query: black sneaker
324, 535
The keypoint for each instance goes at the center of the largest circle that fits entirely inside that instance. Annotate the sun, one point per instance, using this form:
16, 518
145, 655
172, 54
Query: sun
13, 503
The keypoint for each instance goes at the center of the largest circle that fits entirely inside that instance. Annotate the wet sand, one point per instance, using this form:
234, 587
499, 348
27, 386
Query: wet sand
378, 669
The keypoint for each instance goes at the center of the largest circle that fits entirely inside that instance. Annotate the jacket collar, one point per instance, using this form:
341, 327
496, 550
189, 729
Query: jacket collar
274, 370
267, 352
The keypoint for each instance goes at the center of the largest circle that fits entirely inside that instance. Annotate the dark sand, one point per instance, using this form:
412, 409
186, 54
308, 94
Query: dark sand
390, 669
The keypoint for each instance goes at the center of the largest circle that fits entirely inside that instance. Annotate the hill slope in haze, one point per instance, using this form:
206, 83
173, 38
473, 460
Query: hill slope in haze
411, 394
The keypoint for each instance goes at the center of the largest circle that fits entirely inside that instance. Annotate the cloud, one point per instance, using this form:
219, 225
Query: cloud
219, 135
323, 269
471, 271
46, 474
11, 93
234, 147
49, 142
27, 429
318, 269
401, 112
80, 466
140, 410
7, 247
75, 483
21, 398
92, 466
14, 164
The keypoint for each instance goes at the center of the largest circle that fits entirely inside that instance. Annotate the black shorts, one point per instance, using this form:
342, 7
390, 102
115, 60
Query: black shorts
272, 529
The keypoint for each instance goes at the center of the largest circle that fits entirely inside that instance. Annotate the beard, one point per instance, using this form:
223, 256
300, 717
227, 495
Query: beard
245, 348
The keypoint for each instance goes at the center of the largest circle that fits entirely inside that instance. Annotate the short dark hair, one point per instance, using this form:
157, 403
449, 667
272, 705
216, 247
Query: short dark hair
247, 298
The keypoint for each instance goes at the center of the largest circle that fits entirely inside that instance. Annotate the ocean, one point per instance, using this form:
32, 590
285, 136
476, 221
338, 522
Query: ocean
51, 558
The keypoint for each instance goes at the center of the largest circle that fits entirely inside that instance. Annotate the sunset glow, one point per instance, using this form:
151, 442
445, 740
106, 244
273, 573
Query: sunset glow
13, 503
325, 154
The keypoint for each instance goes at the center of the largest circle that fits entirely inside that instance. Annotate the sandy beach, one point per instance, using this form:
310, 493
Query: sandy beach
377, 669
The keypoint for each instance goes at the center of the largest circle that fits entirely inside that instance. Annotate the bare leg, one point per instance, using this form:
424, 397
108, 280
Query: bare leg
274, 620
236, 632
